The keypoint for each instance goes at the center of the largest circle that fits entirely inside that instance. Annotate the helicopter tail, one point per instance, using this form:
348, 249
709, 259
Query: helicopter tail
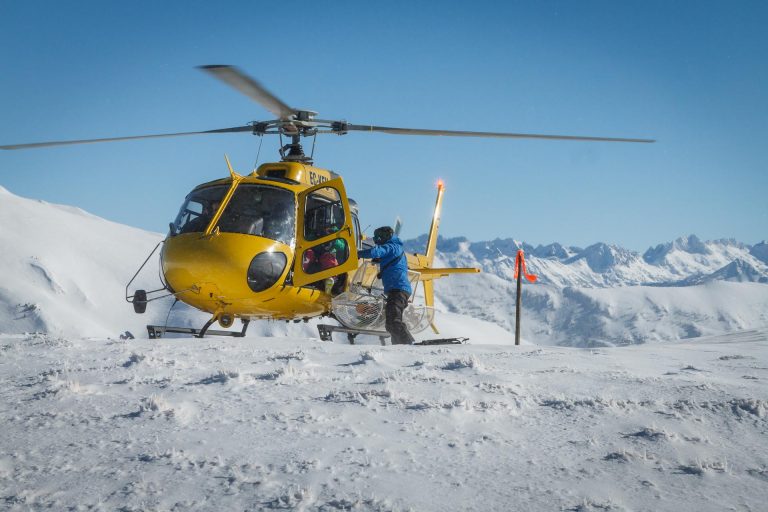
425, 262
432, 238
429, 287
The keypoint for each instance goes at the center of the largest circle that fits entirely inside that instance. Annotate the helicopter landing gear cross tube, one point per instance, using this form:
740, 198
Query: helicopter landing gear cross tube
281, 242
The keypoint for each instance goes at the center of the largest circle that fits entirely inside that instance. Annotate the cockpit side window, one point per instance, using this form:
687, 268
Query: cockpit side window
198, 209
324, 214
358, 234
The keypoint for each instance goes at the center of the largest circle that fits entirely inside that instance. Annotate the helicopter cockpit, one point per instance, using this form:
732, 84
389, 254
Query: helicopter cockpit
197, 211
254, 209
317, 228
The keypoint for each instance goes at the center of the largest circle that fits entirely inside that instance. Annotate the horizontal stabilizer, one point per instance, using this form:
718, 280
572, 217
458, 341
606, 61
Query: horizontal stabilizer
446, 270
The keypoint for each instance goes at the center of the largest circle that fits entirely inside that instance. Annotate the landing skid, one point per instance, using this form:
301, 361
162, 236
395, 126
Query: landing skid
326, 334
158, 331
443, 341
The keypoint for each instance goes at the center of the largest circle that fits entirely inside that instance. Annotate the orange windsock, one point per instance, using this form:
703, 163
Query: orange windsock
521, 258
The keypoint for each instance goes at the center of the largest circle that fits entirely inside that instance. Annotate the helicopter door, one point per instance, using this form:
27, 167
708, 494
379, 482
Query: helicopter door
325, 235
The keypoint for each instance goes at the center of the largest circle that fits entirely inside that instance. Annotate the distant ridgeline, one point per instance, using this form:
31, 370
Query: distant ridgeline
607, 294
684, 262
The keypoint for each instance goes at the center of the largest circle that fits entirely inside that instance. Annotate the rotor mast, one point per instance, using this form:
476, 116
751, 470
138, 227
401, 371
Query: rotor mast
302, 126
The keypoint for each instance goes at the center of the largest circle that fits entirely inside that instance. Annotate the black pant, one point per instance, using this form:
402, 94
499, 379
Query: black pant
397, 301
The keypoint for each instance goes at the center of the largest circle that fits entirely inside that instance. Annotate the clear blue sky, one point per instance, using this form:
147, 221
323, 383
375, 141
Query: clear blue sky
693, 75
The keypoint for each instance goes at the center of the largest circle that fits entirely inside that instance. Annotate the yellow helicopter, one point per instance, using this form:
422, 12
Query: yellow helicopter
281, 243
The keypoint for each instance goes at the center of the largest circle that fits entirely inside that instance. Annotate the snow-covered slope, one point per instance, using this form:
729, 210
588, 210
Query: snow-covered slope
297, 424
64, 271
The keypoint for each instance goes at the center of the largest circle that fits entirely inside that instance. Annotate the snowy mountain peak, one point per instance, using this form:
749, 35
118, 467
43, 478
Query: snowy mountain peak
690, 244
741, 271
498, 247
554, 251
760, 251
602, 257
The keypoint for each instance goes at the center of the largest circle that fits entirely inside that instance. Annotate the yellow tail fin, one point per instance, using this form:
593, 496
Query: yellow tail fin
429, 290
432, 238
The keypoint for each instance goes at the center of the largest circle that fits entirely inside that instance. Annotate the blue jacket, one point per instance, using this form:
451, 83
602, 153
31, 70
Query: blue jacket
395, 276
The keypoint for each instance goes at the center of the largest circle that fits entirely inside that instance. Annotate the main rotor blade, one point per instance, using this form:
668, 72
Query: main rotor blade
134, 137
451, 133
251, 88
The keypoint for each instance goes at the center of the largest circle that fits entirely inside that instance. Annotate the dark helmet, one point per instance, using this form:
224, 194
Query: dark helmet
383, 235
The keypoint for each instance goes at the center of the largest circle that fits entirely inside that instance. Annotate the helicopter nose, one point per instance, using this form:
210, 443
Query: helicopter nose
209, 271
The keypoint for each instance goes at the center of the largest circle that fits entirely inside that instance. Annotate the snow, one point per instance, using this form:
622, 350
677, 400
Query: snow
64, 270
294, 423
281, 420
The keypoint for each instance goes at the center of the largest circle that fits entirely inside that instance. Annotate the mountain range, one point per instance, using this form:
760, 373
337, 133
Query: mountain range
683, 262
606, 294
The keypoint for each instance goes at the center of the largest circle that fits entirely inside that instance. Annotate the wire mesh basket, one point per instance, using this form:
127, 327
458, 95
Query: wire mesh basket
359, 310
365, 311
418, 317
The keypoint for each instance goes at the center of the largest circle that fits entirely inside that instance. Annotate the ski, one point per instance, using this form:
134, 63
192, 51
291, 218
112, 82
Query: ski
442, 341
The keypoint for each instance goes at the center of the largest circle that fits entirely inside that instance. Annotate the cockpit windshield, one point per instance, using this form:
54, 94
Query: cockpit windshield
198, 210
262, 211
254, 209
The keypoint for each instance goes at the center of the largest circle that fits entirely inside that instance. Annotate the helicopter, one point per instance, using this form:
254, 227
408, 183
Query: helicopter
281, 243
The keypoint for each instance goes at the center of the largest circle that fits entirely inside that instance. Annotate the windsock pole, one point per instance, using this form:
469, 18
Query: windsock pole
519, 272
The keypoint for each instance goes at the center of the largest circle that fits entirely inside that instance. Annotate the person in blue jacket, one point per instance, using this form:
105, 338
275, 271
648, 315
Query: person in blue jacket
393, 270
